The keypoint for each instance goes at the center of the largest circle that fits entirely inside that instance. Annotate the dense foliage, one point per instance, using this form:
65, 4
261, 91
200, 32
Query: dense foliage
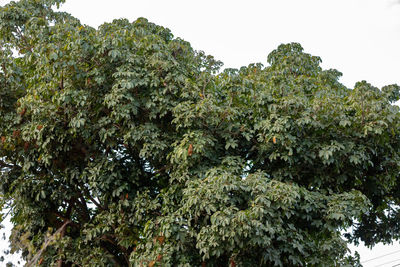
123, 146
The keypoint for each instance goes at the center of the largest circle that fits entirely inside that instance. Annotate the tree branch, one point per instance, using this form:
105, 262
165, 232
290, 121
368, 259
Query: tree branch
64, 218
3, 66
112, 246
5, 165
84, 211
25, 41
87, 194
53, 237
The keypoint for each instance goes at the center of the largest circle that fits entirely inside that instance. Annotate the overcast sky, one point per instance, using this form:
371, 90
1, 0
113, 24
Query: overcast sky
360, 38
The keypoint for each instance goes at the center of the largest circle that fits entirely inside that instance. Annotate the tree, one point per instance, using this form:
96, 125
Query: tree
123, 146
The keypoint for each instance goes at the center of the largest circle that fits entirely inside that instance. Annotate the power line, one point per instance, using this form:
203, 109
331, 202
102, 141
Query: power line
391, 253
387, 263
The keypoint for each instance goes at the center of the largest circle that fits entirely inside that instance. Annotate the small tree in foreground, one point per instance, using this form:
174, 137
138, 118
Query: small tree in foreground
123, 146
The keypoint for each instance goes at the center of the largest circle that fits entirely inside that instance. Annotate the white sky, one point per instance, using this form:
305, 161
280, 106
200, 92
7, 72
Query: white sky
360, 38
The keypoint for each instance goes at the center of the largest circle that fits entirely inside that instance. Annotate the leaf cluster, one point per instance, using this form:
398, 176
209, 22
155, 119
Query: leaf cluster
124, 146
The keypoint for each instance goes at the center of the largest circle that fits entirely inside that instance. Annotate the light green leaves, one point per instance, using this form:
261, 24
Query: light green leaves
53, 56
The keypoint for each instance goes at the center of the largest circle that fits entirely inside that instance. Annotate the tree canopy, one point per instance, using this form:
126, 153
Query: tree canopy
124, 146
